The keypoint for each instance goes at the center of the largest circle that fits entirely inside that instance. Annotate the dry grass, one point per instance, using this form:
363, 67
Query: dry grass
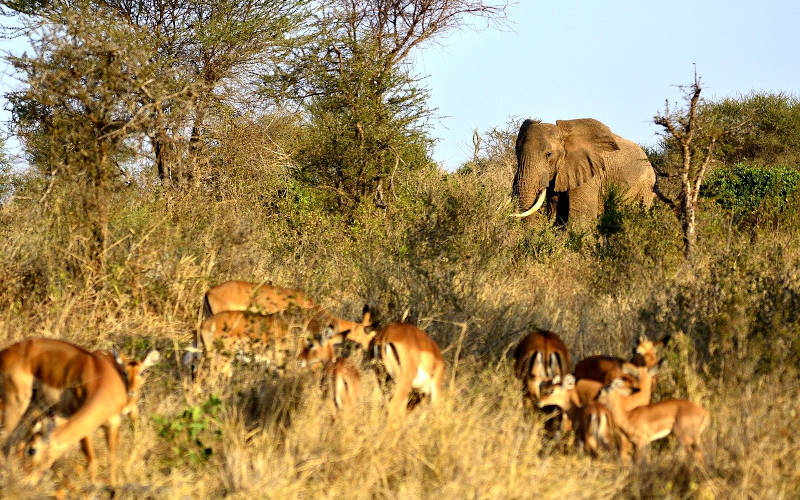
445, 254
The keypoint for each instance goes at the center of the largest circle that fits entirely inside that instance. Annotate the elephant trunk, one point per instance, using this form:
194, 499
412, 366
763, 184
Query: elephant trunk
536, 206
529, 193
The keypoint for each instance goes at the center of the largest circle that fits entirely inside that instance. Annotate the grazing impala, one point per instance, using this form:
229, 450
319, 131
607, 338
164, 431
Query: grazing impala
84, 390
592, 423
340, 377
262, 298
272, 338
606, 368
644, 424
412, 360
540, 356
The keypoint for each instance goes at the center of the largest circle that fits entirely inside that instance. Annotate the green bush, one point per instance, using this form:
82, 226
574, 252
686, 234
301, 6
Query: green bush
750, 193
190, 433
767, 128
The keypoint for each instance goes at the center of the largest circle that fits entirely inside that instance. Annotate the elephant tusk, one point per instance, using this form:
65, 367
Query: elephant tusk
536, 206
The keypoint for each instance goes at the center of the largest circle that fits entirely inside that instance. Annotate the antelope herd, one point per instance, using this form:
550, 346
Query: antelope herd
55, 394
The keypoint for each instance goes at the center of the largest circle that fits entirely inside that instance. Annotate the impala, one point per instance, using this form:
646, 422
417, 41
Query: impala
592, 425
606, 368
271, 338
645, 424
264, 298
340, 377
84, 390
411, 359
540, 356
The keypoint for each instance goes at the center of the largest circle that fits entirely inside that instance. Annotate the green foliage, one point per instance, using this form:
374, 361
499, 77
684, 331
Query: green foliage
751, 193
541, 242
770, 130
610, 220
634, 242
193, 433
368, 113
6, 176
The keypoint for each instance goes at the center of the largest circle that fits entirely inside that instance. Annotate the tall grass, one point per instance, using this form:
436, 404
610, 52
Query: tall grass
444, 254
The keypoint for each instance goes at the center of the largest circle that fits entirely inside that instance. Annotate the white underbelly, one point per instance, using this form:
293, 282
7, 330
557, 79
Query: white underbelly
660, 434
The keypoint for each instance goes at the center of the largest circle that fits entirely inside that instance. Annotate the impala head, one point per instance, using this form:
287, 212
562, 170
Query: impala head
536, 375
362, 333
133, 375
35, 453
318, 349
646, 351
557, 392
617, 386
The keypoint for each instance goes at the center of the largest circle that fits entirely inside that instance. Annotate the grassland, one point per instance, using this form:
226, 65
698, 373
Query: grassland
445, 254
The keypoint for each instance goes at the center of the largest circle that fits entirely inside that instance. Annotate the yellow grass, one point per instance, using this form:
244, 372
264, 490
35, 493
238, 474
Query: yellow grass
446, 254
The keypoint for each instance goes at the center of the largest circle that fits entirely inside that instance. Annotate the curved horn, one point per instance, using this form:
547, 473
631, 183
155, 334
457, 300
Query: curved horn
536, 206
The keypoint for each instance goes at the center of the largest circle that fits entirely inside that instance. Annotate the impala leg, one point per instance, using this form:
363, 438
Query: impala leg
625, 450
436, 384
112, 436
91, 464
399, 400
18, 391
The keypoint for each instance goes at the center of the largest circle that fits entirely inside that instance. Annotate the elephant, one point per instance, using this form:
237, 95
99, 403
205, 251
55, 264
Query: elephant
572, 163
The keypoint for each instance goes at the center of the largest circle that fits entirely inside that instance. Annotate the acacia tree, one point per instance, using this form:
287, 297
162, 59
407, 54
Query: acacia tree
367, 111
218, 48
89, 89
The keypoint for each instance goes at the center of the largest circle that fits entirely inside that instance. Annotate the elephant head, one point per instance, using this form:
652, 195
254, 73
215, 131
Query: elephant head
561, 157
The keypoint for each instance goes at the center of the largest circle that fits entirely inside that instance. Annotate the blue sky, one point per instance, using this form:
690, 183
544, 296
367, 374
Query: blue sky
614, 61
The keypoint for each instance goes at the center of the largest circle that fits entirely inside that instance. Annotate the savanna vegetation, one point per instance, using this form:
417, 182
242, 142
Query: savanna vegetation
174, 146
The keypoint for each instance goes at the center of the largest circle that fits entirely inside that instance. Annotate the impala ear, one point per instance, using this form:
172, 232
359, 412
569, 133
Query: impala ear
366, 315
44, 428
569, 381
151, 359
663, 341
585, 141
642, 339
117, 357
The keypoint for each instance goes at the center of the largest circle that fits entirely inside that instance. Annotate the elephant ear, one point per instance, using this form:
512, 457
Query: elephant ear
584, 142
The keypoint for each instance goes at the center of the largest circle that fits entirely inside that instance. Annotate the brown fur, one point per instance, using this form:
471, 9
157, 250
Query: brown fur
272, 338
540, 356
85, 390
605, 369
413, 361
577, 399
340, 377
236, 295
644, 424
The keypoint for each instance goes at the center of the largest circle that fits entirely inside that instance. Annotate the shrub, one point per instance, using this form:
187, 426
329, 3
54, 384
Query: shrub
752, 194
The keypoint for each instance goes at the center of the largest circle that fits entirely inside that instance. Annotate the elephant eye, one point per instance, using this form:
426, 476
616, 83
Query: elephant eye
548, 154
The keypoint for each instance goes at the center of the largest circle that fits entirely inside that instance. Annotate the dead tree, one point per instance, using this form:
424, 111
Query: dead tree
681, 127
